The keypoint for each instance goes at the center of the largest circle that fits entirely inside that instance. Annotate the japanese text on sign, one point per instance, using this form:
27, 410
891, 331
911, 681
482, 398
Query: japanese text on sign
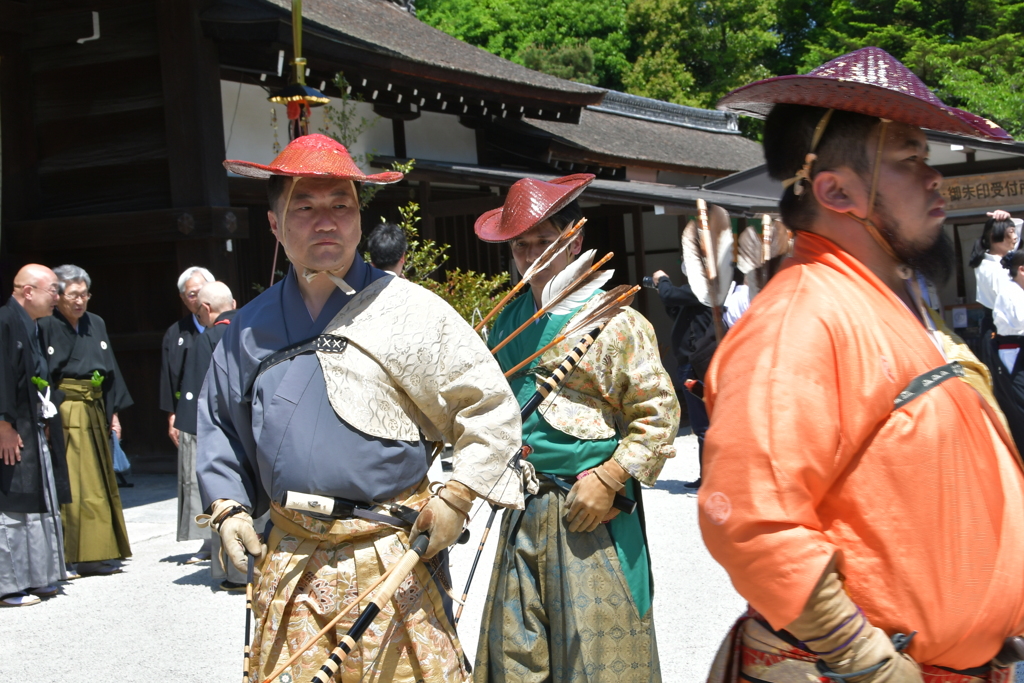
980, 191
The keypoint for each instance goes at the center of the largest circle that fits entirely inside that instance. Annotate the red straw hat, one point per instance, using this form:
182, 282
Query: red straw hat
529, 203
867, 81
315, 156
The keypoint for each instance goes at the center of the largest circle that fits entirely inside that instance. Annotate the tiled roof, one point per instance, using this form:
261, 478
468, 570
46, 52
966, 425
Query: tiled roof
388, 29
660, 143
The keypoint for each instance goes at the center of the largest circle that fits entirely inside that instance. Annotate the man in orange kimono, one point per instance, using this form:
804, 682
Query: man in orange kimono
860, 488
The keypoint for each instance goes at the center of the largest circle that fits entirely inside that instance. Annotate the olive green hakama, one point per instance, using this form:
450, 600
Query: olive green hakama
93, 521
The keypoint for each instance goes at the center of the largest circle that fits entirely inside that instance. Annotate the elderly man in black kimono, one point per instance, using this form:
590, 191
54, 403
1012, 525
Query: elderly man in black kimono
83, 366
215, 310
33, 475
177, 341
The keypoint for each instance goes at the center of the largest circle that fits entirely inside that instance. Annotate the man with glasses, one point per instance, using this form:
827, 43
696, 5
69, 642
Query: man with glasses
82, 365
178, 339
33, 472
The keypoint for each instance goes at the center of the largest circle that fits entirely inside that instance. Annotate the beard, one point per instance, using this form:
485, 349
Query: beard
935, 262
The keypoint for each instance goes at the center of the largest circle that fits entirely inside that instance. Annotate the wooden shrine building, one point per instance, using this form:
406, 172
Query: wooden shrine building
115, 117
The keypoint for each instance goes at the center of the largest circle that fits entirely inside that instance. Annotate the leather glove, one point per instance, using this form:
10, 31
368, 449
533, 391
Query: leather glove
237, 535
443, 517
590, 500
832, 627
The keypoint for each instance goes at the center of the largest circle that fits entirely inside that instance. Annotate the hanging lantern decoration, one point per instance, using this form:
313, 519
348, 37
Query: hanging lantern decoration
298, 97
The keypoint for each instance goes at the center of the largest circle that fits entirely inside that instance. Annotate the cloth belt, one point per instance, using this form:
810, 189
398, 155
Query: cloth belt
81, 390
348, 509
929, 380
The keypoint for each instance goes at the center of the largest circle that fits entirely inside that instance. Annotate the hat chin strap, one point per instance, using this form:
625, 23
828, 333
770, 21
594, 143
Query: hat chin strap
903, 270
308, 273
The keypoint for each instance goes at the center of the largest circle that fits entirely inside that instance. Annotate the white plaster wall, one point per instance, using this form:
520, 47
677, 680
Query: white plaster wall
249, 134
440, 137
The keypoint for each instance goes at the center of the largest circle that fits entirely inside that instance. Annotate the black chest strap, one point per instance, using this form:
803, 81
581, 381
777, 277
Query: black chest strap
928, 381
326, 343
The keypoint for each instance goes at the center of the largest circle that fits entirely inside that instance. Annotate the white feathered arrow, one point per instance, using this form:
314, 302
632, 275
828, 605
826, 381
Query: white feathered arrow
543, 261
707, 253
606, 306
568, 290
757, 252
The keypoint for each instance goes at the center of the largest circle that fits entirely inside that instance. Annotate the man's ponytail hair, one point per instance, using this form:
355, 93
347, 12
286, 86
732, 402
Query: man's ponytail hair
994, 231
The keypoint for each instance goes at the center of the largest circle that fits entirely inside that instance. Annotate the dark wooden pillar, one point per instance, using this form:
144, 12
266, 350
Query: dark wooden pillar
639, 256
19, 180
194, 128
398, 132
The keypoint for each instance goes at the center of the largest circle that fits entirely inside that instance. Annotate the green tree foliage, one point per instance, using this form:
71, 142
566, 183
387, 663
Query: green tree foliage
970, 51
571, 62
694, 51
570, 32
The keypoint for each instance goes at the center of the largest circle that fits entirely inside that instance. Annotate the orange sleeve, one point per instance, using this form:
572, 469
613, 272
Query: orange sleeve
772, 452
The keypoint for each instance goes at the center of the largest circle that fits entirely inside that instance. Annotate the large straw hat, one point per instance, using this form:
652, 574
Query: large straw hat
529, 203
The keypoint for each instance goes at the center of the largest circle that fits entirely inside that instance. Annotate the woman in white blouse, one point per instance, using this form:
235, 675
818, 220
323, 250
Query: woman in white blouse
999, 237
1008, 310
1007, 346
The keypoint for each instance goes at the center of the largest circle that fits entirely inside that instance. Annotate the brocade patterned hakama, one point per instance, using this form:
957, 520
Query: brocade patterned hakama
94, 528
559, 606
315, 569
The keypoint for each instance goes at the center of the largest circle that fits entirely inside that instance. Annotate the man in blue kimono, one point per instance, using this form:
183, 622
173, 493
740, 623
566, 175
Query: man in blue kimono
335, 382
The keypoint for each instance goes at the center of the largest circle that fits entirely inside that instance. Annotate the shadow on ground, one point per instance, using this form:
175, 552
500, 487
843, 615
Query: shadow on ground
200, 577
674, 486
180, 559
149, 488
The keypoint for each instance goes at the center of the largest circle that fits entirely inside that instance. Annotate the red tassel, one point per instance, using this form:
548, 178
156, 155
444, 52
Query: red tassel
295, 109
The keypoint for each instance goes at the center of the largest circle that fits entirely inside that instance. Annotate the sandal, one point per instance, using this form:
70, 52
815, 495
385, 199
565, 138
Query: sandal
19, 600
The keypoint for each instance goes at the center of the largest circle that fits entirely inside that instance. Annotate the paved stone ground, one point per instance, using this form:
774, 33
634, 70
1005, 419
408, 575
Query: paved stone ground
162, 620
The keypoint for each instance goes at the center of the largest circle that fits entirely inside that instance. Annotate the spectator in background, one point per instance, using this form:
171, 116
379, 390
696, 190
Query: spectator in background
690, 319
999, 236
82, 365
33, 474
387, 246
1004, 352
216, 307
177, 341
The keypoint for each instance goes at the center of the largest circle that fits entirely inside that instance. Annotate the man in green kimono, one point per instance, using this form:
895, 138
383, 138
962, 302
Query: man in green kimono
571, 589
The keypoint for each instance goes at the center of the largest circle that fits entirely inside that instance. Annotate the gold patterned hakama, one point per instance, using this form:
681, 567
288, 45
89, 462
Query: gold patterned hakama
315, 569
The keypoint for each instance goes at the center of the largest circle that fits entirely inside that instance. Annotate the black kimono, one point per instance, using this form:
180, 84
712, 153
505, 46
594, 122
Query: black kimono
21, 358
177, 341
77, 354
1007, 384
196, 365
